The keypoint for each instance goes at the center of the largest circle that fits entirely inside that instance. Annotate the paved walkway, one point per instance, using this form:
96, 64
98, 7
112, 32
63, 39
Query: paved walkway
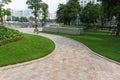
69, 61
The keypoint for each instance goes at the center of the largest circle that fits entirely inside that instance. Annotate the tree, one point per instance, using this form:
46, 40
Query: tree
69, 12
44, 13
17, 19
3, 12
31, 18
23, 19
8, 18
35, 5
90, 13
103, 17
112, 8
60, 13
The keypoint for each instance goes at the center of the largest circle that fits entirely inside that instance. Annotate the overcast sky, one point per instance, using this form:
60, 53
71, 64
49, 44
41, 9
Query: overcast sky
21, 4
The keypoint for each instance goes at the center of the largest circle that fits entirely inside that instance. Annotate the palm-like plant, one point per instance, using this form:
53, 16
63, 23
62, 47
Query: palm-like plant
3, 11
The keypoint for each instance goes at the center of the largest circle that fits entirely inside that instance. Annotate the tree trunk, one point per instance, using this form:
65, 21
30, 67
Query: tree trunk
36, 23
1, 20
118, 29
102, 24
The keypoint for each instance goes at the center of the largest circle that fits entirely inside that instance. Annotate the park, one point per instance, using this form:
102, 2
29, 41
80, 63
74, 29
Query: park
81, 43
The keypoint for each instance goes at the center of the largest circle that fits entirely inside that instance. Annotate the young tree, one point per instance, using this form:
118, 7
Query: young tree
44, 13
3, 12
60, 13
35, 5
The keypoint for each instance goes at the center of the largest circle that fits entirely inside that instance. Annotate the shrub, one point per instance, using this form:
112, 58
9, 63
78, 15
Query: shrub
8, 35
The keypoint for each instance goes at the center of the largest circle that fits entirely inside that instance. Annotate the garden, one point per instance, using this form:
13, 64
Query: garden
17, 47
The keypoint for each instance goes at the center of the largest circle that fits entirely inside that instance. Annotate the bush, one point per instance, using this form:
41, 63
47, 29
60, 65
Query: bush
8, 35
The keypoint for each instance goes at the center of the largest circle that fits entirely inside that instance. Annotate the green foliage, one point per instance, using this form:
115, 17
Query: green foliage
29, 48
90, 13
31, 18
35, 5
69, 12
9, 35
4, 12
14, 18
101, 43
60, 13
112, 8
23, 19
70, 26
44, 12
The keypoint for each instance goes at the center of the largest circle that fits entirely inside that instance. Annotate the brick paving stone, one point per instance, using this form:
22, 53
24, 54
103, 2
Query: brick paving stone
69, 61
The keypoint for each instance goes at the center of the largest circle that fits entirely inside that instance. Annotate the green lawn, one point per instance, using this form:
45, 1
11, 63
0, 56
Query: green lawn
70, 26
29, 48
100, 42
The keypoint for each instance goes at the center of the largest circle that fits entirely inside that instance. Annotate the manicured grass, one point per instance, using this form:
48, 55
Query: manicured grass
100, 42
70, 26
29, 48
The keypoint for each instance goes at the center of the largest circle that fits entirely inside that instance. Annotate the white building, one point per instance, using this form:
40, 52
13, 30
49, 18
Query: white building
21, 13
51, 15
28, 13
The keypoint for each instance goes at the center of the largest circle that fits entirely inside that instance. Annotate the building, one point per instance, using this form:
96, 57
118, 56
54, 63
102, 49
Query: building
52, 16
21, 13
28, 13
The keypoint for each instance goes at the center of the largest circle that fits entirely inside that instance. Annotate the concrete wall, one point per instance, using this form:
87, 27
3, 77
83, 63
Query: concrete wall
66, 30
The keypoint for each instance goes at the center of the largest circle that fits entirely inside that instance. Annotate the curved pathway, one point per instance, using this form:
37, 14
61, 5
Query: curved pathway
69, 61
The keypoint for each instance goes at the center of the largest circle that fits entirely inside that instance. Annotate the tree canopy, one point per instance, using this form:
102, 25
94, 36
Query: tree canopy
38, 8
67, 13
90, 13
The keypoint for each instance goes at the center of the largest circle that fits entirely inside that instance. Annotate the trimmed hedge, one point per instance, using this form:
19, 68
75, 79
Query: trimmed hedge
8, 35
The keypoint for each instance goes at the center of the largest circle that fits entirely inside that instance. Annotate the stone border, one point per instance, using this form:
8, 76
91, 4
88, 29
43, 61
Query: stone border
29, 62
66, 30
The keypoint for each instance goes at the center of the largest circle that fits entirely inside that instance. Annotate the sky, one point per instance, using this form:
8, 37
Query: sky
21, 4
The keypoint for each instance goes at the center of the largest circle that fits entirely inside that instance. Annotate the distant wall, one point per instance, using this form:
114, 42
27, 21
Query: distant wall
66, 30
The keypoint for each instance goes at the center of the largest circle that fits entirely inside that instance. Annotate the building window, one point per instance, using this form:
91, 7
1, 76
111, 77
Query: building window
93, 1
81, 1
84, 1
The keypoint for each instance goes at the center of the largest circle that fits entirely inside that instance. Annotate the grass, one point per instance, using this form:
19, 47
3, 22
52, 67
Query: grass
70, 26
100, 42
29, 48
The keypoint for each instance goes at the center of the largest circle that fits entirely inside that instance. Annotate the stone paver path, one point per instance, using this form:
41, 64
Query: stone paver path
69, 61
